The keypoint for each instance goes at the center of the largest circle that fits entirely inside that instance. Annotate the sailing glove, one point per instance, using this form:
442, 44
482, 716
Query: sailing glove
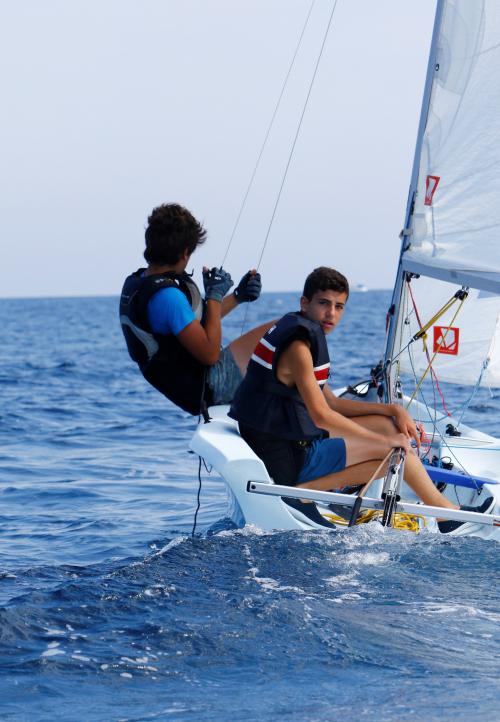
249, 288
217, 283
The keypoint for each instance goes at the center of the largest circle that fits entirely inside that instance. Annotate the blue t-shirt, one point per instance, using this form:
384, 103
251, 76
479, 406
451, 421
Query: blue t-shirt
169, 311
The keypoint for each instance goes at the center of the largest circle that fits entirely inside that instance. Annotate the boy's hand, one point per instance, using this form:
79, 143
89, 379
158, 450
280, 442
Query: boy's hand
405, 424
400, 441
249, 288
217, 283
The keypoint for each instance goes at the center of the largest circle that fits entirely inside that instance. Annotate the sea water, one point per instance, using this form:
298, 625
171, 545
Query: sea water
111, 610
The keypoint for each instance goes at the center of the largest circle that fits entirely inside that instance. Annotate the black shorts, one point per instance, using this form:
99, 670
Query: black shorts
282, 458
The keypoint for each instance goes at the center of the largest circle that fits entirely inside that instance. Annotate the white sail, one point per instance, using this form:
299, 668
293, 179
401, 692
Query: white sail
453, 234
464, 349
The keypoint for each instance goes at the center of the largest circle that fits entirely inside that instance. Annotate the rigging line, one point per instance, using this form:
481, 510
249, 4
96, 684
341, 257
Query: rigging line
297, 132
266, 137
433, 372
422, 331
405, 320
442, 438
433, 420
468, 402
441, 343
198, 502
483, 447
299, 126
402, 350
445, 442
410, 349
436, 431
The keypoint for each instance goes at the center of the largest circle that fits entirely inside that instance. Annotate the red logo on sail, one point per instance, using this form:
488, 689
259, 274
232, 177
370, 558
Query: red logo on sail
446, 339
431, 183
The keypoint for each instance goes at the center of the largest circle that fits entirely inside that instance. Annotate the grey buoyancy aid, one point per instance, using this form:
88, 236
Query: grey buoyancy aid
163, 361
262, 402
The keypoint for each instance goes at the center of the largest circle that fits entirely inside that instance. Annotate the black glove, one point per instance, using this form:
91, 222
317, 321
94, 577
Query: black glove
249, 288
217, 283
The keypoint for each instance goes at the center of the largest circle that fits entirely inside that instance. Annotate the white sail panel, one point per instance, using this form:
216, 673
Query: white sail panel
456, 219
471, 346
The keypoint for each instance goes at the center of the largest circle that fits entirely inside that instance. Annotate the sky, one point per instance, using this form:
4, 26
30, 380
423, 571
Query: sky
113, 107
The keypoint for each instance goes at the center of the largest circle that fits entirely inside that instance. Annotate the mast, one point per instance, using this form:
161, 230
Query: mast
406, 233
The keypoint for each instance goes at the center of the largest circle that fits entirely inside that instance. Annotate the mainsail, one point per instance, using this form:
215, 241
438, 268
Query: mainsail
451, 238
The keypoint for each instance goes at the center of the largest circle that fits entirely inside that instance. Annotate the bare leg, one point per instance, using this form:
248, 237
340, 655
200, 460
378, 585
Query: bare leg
242, 348
420, 482
350, 476
378, 424
415, 476
359, 450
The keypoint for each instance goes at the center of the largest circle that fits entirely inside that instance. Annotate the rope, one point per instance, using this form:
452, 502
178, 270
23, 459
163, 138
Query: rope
433, 373
198, 498
376, 473
443, 339
290, 156
474, 390
424, 329
443, 439
403, 521
357, 504
266, 137
433, 420
297, 133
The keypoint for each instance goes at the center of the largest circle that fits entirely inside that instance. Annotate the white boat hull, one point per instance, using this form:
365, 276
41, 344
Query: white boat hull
220, 445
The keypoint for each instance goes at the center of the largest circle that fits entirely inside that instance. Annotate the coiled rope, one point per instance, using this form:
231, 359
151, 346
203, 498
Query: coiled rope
403, 521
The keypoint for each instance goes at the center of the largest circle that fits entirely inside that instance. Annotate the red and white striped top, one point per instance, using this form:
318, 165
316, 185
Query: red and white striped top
264, 355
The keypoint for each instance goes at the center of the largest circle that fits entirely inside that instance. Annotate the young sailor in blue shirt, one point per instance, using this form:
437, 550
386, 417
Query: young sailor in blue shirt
171, 332
305, 435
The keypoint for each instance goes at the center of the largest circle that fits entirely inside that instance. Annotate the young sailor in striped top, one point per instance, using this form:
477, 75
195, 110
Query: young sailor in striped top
289, 415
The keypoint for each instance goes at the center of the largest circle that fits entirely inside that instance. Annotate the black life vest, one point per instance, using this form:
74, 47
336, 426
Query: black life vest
163, 361
265, 404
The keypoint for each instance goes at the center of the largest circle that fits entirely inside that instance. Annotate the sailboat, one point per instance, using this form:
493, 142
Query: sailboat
444, 318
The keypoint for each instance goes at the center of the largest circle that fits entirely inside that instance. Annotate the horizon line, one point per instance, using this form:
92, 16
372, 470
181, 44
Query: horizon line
117, 295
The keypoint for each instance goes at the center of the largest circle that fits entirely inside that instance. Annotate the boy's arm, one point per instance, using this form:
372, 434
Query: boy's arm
228, 304
352, 408
298, 360
203, 342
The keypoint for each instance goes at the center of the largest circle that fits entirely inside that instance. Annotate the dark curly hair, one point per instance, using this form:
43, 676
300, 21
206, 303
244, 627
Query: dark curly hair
325, 279
171, 230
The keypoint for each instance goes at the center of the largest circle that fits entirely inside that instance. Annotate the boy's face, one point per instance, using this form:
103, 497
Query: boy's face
325, 307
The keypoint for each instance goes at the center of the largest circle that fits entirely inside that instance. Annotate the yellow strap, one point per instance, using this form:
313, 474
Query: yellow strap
423, 331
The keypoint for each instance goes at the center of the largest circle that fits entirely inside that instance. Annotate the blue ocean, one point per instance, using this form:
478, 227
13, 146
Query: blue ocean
111, 610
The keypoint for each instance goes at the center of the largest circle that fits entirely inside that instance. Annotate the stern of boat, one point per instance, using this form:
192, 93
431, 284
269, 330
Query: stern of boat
219, 443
